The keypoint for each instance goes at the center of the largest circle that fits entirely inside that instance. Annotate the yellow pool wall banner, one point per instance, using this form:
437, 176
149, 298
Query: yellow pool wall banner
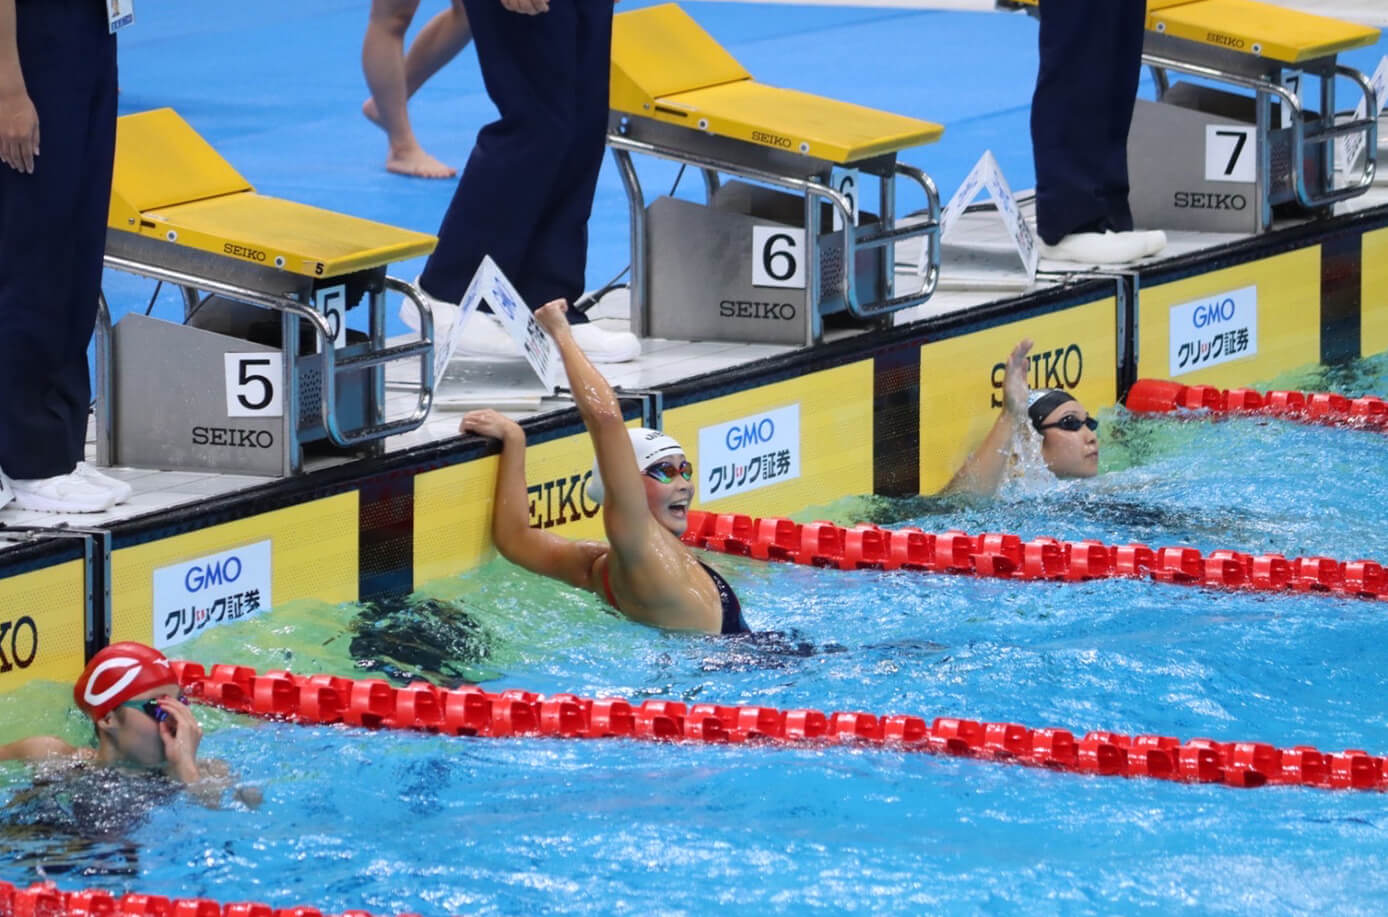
42, 624
1373, 333
453, 505
1284, 293
779, 448
961, 378
312, 554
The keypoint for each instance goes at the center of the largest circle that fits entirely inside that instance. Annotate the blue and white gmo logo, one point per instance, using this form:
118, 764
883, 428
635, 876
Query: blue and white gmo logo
1213, 313
217, 573
750, 433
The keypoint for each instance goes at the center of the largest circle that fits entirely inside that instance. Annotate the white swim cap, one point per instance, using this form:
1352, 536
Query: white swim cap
649, 446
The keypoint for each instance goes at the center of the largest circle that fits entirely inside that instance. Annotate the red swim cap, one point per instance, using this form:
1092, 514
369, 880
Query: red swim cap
118, 673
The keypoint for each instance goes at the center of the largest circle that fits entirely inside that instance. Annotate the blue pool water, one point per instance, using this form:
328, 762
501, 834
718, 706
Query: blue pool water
394, 821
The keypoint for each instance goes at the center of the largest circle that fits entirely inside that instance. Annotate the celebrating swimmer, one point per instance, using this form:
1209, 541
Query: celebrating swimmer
140, 719
1069, 444
644, 482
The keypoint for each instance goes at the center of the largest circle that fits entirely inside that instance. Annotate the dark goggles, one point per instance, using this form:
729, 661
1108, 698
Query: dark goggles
1071, 423
151, 708
665, 472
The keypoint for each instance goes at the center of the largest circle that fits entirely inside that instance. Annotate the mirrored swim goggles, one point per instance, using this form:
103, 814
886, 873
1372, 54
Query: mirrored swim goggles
1071, 423
665, 472
151, 708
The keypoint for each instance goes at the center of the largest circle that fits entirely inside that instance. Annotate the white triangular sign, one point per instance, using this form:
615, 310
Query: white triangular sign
986, 175
490, 285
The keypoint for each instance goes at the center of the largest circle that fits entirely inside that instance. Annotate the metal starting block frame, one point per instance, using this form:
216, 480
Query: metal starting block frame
1255, 46
256, 273
678, 95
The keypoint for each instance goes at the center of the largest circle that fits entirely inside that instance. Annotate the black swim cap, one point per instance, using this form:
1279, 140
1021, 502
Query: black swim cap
1040, 404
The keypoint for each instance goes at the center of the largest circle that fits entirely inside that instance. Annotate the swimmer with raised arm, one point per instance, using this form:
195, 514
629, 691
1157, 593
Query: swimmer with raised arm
644, 483
1069, 444
142, 723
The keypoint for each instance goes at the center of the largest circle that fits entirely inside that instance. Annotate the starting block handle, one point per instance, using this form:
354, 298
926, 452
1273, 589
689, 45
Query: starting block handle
1368, 126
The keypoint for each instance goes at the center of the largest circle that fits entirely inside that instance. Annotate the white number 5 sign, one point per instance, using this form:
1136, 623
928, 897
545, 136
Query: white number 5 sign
253, 384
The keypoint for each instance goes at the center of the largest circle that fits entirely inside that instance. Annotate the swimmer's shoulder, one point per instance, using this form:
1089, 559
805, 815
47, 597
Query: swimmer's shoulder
42, 748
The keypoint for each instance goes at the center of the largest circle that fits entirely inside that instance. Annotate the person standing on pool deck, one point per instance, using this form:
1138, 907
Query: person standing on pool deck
58, 77
644, 483
141, 722
527, 189
1069, 445
1081, 111
393, 76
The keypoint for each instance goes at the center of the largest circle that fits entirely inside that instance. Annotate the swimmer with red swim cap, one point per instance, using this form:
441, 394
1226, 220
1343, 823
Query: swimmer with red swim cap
1069, 440
132, 695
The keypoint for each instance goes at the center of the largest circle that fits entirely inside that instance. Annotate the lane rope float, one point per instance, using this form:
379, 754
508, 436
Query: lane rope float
45, 899
1160, 396
470, 711
1007, 556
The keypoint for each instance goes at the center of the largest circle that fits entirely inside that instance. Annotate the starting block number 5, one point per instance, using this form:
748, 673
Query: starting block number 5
332, 302
1230, 153
253, 384
778, 257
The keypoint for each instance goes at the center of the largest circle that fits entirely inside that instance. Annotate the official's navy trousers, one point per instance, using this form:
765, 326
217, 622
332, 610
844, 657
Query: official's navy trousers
52, 235
527, 190
1091, 59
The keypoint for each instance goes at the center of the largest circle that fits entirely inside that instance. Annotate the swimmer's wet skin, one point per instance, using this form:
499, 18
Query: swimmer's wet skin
141, 722
645, 484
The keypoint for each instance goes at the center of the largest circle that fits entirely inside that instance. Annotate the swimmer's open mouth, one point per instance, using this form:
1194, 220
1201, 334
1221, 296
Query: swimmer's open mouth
679, 509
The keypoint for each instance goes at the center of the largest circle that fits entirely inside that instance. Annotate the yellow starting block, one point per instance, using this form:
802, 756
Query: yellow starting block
753, 263
237, 387
1270, 50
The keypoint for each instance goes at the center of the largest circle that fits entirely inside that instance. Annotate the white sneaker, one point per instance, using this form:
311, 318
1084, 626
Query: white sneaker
445, 313
63, 493
118, 488
604, 346
1099, 248
1156, 241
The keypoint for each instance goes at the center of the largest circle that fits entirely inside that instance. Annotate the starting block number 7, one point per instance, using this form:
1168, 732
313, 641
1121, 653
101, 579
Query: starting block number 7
1230, 153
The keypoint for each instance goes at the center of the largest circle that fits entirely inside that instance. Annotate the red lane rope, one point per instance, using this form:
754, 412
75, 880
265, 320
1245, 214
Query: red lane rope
374, 703
1158, 396
1007, 556
46, 900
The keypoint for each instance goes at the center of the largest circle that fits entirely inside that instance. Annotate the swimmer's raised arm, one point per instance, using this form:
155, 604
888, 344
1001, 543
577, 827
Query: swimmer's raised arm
535, 550
982, 471
626, 516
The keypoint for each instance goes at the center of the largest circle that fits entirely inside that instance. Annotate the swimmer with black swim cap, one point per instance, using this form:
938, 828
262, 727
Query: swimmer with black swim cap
141, 722
645, 483
1069, 444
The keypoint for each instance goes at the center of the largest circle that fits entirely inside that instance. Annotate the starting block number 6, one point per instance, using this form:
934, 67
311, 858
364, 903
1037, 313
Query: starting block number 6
253, 384
778, 257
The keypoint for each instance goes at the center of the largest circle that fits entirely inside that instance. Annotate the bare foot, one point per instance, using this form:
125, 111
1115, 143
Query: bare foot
368, 108
417, 163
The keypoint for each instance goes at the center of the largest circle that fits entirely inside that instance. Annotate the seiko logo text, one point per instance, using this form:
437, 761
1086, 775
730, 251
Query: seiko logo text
241, 251
19, 643
236, 437
772, 139
742, 308
1059, 368
1228, 41
558, 502
1202, 200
